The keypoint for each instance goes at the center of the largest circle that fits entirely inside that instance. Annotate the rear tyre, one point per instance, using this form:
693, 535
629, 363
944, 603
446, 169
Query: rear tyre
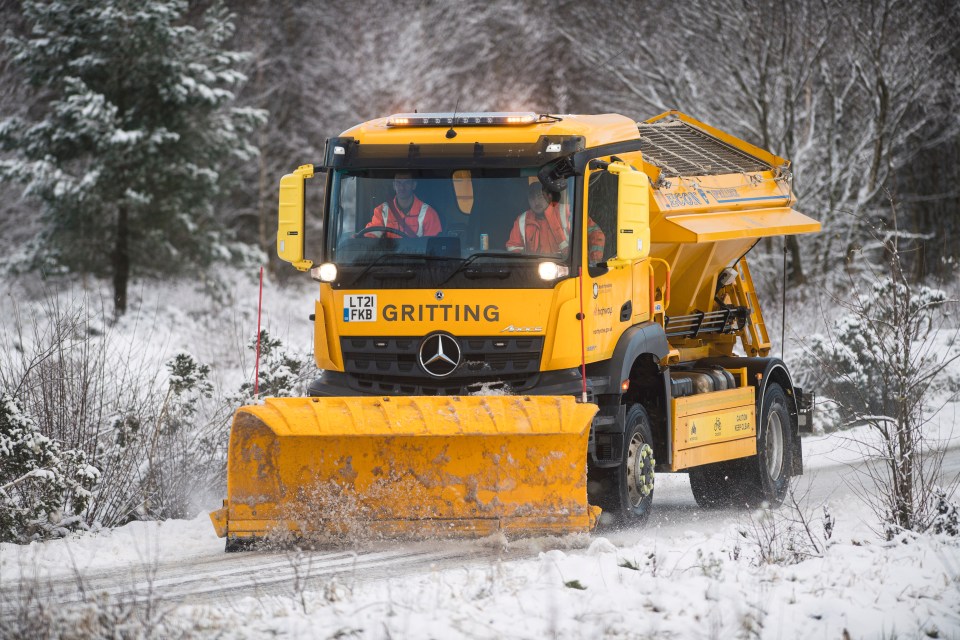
763, 478
627, 490
767, 476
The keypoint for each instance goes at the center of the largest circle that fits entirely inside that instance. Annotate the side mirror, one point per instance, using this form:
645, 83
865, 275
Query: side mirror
290, 227
633, 213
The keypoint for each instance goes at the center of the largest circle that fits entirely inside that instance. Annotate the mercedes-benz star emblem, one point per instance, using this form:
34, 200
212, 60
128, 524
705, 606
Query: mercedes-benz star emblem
438, 295
439, 354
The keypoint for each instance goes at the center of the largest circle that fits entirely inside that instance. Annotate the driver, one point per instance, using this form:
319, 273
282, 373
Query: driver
406, 212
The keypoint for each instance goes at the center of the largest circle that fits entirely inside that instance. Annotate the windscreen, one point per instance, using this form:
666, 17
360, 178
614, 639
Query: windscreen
411, 218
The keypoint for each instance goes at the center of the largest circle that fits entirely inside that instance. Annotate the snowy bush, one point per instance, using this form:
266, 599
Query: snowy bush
44, 489
828, 417
788, 535
186, 452
854, 361
883, 363
947, 518
163, 452
153, 429
282, 374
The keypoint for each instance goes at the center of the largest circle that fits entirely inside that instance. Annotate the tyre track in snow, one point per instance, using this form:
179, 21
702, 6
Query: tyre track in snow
676, 513
234, 576
229, 577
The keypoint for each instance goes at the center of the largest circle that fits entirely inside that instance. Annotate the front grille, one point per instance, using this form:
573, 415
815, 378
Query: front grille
390, 365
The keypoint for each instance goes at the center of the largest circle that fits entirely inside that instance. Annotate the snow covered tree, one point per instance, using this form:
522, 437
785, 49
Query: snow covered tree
884, 363
127, 154
851, 93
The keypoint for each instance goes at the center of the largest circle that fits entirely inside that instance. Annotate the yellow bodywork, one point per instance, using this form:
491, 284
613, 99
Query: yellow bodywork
408, 465
713, 427
414, 465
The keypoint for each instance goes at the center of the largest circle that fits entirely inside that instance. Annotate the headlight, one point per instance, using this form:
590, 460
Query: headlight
327, 272
552, 270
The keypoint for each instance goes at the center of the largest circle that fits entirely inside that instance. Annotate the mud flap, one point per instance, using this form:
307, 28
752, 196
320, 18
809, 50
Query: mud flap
463, 465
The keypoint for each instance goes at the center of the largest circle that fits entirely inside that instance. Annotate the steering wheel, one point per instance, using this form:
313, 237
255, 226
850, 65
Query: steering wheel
399, 232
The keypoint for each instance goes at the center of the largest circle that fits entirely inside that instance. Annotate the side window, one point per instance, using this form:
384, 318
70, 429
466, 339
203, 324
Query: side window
602, 218
348, 204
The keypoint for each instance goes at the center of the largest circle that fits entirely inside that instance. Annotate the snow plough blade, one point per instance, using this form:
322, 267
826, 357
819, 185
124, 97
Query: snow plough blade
392, 466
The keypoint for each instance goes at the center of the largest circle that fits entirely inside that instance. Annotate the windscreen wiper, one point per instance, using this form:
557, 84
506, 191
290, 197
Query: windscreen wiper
488, 254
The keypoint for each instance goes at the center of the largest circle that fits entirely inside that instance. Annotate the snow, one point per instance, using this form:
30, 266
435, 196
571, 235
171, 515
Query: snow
688, 574
131, 545
851, 445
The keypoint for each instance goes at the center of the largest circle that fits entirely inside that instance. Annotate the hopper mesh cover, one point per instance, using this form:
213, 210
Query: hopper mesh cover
681, 150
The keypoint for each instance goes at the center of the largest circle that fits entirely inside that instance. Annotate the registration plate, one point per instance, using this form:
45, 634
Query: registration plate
359, 308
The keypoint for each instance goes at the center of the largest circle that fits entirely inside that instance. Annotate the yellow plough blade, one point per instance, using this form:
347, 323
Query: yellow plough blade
408, 465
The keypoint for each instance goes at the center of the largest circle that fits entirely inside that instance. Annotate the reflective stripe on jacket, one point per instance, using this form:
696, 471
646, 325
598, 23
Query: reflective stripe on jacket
421, 221
540, 234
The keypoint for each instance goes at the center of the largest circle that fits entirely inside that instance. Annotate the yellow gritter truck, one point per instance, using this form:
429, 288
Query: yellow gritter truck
522, 318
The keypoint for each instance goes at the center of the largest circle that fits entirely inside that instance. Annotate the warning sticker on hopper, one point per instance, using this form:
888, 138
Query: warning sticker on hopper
362, 308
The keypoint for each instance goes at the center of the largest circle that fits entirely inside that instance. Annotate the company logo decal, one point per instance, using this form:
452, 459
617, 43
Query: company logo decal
439, 354
437, 312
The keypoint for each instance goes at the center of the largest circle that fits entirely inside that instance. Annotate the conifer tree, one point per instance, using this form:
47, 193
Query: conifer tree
127, 155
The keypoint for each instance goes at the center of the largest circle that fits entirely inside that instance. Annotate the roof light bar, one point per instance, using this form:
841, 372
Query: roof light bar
477, 119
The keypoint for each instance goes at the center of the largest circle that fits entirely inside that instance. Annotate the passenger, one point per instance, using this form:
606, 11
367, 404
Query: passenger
406, 212
545, 227
596, 240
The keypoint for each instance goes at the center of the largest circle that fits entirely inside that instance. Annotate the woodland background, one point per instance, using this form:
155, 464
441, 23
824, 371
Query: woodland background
141, 144
861, 97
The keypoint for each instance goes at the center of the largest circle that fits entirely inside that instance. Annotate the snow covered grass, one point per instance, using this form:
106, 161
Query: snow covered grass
671, 580
696, 588
691, 574
213, 322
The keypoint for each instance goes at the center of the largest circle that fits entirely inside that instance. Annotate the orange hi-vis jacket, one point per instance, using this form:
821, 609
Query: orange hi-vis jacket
547, 234
421, 220
550, 234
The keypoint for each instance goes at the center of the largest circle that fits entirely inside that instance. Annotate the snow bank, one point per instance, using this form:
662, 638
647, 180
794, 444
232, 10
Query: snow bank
689, 587
138, 544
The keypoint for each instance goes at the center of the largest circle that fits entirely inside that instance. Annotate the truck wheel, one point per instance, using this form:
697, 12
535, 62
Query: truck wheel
768, 474
627, 490
717, 485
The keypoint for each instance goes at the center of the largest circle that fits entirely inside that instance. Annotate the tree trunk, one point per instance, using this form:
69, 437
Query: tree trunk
796, 259
121, 265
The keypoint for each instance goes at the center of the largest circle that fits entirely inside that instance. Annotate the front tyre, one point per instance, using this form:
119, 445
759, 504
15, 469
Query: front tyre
627, 490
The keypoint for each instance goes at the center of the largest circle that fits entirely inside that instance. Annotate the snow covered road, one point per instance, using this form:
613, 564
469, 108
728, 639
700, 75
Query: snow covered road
180, 566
